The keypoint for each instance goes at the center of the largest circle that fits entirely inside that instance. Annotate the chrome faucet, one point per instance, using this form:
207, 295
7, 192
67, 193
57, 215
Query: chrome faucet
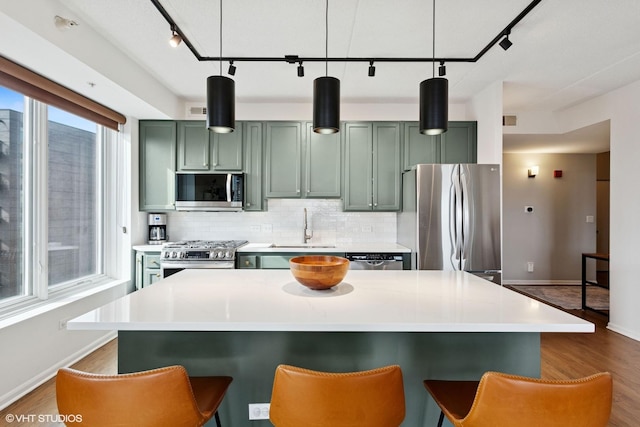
308, 234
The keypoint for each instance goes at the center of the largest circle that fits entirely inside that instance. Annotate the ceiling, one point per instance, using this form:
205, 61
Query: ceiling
564, 51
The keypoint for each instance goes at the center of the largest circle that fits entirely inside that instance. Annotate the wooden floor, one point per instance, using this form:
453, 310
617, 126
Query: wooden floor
564, 356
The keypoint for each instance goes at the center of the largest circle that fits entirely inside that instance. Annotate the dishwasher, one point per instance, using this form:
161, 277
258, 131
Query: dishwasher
375, 261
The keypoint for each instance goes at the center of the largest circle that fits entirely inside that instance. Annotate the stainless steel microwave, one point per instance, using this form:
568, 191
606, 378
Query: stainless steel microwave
209, 191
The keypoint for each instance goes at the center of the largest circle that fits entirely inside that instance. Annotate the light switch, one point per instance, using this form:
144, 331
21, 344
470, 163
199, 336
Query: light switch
590, 218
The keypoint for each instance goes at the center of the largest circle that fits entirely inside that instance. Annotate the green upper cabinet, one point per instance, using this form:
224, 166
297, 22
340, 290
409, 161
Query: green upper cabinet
282, 172
157, 165
419, 148
253, 163
227, 150
202, 150
372, 166
322, 164
457, 145
300, 162
193, 146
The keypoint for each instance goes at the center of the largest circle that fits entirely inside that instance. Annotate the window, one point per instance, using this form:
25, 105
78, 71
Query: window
51, 200
12, 283
72, 190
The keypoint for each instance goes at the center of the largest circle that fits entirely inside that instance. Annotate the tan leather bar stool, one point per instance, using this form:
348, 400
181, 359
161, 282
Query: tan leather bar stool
302, 397
156, 398
502, 400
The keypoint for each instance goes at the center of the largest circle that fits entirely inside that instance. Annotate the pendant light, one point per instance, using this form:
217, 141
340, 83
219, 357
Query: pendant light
326, 93
221, 98
434, 97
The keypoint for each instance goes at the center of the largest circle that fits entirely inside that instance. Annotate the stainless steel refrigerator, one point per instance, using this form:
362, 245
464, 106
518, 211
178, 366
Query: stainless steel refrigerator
450, 218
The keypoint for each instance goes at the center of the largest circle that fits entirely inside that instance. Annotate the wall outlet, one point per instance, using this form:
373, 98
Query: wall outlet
255, 228
267, 228
259, 411
530, 267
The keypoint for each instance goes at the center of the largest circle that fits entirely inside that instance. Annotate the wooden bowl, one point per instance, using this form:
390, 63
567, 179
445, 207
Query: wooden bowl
319, 272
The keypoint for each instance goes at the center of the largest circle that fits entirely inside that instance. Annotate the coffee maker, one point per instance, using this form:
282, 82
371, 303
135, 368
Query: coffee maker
157, 228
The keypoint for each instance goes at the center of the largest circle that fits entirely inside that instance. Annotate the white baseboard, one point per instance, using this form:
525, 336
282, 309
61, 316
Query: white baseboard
542, 282
18, 392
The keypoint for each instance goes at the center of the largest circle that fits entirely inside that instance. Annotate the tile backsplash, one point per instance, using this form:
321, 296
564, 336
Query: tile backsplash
283, 222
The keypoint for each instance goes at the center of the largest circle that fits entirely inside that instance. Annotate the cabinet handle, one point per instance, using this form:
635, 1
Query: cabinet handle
247, 263
370, 204
248, 204
156, 263
157, 275
375, 204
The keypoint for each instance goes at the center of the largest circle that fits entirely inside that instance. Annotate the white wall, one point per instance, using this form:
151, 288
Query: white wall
555, 234
486, 109
621, 108
35, 346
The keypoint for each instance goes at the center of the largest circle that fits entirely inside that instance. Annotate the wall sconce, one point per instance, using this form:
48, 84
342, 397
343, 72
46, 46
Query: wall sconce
533, 171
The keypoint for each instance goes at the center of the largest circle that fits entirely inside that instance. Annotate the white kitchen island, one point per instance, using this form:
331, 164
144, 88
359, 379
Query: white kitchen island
244, 322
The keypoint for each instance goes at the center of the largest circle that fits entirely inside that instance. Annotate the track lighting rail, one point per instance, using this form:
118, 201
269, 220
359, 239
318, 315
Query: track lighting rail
292, 59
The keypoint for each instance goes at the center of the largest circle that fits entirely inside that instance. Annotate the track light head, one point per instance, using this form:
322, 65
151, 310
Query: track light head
232, 69
175, 39
372, 69
300, 70
442, 70
505, 43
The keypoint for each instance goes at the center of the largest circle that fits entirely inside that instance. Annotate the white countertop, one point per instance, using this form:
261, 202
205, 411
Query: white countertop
322, 248
271, 300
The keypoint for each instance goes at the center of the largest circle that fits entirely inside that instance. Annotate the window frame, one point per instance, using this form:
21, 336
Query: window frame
36, 289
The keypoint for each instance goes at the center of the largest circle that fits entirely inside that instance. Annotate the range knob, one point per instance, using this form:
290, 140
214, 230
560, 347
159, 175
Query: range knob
227, 254
174, 254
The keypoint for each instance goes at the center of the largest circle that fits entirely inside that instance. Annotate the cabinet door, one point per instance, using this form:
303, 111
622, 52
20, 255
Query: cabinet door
157, 165
283, 143
322, 164
358, 171
419, 148
193, 146
458, 144
386, 166
226, 151
253, 162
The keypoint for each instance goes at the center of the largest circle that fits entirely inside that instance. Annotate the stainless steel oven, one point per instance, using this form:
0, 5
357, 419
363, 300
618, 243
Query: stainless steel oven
210, 254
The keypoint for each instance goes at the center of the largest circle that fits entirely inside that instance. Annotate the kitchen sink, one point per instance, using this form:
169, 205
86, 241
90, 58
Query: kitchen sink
302, 246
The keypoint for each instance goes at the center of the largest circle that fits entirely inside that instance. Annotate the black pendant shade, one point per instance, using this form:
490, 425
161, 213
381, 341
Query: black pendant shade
221, 104
434, 105
326, 105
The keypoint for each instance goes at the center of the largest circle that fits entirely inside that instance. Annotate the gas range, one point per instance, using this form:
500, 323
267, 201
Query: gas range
176, 256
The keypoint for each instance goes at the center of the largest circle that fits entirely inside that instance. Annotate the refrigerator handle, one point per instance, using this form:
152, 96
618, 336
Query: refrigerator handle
466, 219
455, 221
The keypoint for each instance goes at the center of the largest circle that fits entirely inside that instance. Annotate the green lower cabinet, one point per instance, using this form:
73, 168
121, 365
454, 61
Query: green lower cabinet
457, 145
148, 269
372, 166
273, 260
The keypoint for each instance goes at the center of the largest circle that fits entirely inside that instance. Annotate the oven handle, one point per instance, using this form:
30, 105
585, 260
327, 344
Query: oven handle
199, 265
